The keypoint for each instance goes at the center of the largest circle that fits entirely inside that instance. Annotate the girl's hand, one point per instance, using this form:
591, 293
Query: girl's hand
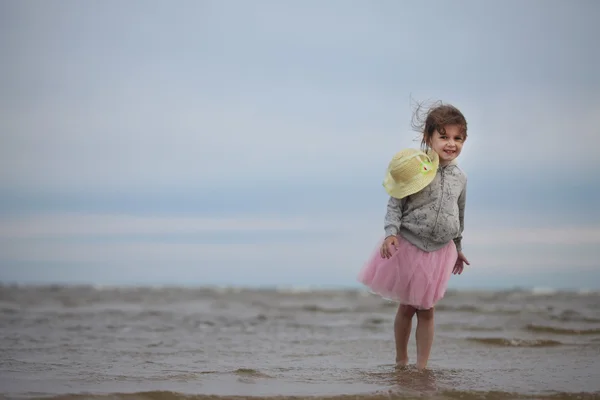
390, 241
461, 260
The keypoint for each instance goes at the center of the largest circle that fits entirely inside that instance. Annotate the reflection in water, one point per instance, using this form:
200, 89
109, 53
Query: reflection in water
405, 380
411, 379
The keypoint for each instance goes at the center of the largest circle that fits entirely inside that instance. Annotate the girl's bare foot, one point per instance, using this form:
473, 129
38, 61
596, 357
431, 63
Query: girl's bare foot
421, 368
401, 363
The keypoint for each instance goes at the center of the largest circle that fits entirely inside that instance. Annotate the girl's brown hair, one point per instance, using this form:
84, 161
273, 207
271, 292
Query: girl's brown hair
427, 120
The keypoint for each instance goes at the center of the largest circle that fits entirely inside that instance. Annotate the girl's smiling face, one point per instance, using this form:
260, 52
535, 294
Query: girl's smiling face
449, 144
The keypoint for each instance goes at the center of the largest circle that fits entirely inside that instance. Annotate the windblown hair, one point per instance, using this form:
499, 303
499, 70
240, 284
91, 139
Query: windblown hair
428, 119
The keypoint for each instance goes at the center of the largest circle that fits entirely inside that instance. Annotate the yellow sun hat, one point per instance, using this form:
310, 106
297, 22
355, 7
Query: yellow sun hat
410, 171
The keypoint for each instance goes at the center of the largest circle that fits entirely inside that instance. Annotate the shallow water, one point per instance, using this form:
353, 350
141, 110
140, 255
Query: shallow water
169, 343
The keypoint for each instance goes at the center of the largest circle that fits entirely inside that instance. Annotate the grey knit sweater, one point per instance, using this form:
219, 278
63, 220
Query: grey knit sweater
432, 217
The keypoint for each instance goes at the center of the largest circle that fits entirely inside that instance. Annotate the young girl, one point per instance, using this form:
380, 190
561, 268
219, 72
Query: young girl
423, 229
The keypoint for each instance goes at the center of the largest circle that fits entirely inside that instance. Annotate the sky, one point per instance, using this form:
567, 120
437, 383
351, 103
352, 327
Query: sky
245, 143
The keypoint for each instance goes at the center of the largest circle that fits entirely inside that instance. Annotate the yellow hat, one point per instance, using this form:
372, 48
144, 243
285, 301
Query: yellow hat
409, 172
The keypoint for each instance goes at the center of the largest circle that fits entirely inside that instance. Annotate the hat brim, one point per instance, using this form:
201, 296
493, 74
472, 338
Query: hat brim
401, 191
418, 182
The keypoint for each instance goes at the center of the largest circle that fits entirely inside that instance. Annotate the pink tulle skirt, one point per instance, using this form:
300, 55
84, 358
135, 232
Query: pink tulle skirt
410, 276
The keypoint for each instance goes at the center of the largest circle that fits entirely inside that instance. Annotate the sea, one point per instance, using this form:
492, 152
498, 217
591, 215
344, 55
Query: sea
171, 343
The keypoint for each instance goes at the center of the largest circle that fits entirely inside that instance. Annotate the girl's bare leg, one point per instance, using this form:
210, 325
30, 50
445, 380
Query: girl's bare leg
402, 327
424, 334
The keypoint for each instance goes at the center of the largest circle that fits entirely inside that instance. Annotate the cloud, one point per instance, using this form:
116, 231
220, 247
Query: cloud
157, 103
81, 225
129, 146
526, 236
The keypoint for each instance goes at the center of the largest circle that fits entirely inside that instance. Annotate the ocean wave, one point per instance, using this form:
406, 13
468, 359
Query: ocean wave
586, 292
543, 291
466, 327
561, 331
373, 323
573, 316
327, 310
549, 291
504, 342
383, 395
9, 310
250, 373
477, 310
463, 308
61, 297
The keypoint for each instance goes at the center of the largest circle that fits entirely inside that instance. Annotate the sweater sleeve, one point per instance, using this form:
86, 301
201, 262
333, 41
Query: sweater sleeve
393, 216
461, 217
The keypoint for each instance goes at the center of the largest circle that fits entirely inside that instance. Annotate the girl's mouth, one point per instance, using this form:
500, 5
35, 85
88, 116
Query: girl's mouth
450, 152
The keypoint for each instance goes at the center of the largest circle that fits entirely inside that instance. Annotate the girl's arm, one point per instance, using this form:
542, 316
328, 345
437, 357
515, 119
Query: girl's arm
462, 199
393, 216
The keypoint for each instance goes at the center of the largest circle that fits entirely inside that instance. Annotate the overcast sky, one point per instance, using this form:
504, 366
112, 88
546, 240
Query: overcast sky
244, 143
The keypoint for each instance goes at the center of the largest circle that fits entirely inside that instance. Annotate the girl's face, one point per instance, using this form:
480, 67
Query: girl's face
449, 145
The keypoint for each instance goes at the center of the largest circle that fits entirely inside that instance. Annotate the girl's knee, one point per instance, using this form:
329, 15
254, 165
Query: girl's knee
425, 314
407, 311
